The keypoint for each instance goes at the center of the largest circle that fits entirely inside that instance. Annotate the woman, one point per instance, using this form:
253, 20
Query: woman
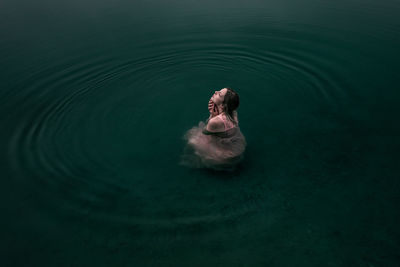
219, 144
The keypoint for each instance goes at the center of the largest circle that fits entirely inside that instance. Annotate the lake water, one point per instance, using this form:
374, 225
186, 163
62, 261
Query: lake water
95, 97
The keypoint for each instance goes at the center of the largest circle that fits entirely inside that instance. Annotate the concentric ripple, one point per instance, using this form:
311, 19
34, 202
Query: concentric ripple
101, 133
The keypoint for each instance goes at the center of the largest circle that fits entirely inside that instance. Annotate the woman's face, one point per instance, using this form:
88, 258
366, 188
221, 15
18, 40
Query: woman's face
218, 96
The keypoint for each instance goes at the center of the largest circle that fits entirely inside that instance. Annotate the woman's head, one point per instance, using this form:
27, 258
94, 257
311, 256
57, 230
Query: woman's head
219, 96
228, 98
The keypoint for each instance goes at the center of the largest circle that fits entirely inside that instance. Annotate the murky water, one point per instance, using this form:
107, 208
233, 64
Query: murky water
96, 96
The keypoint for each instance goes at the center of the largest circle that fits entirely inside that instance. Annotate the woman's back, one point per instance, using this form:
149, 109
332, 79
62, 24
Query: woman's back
228, 123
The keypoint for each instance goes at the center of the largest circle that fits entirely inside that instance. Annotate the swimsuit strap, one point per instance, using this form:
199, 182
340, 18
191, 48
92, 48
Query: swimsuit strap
225, 120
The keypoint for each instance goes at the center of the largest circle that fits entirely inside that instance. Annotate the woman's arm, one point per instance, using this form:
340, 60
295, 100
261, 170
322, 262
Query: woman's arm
213, 109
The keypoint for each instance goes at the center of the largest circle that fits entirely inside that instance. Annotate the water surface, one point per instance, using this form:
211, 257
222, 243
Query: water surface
95, 99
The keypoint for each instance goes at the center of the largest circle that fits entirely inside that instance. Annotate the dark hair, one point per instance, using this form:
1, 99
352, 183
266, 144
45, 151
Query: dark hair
230, 103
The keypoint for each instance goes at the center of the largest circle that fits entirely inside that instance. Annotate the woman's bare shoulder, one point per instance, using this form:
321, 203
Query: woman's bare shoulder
215, 124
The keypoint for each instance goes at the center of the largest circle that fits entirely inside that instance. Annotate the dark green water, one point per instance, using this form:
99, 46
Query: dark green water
96, 96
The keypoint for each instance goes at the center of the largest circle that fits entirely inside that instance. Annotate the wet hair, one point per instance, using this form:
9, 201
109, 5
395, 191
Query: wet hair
230, 103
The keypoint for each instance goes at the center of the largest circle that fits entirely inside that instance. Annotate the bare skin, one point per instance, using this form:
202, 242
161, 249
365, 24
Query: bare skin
214, 111
215, 124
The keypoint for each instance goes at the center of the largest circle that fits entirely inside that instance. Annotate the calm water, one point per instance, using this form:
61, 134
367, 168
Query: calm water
96, 96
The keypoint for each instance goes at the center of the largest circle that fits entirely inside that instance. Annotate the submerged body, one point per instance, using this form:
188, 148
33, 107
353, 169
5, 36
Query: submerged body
220, 150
